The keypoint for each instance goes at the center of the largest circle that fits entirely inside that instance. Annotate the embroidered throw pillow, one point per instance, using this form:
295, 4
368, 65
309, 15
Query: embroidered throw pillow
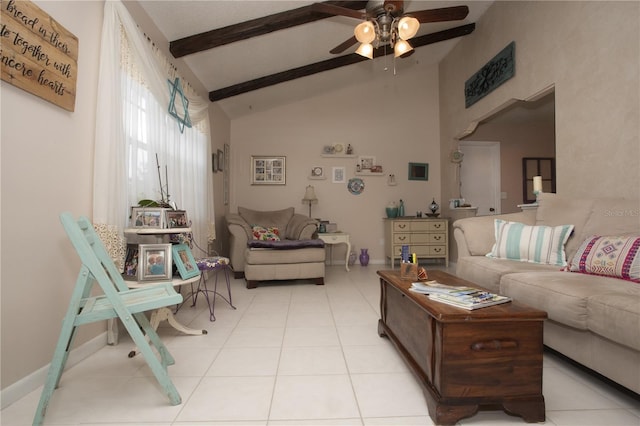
527, 243
613, 256
265, 234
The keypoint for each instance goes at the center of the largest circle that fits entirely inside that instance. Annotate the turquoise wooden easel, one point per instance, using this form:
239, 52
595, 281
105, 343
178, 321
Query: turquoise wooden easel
118, 301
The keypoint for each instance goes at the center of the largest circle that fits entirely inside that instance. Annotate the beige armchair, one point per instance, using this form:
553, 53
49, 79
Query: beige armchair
299, 255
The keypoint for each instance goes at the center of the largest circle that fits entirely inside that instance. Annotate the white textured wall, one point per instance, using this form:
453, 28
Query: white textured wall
590, 52
392, 118
47, 168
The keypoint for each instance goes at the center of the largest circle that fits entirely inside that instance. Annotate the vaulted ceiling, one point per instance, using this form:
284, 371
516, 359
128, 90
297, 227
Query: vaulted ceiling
242, 50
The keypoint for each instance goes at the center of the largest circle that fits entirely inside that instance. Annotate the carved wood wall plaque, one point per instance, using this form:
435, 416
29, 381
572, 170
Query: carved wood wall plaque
37, 54
495, 72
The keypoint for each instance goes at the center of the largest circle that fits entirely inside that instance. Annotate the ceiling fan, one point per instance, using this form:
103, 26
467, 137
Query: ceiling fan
385, 23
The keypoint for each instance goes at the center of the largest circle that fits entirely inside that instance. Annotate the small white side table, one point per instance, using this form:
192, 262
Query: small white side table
332, 238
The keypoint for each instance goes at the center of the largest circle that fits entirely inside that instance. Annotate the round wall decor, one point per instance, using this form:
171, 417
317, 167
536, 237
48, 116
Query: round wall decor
355, 186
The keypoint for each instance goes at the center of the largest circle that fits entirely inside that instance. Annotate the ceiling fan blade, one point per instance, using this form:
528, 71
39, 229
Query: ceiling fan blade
344, 45
332, 9
440, 15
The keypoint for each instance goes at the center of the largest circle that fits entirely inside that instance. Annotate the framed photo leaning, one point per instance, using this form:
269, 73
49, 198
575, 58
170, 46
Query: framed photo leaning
268, 170
154, 262
184, 260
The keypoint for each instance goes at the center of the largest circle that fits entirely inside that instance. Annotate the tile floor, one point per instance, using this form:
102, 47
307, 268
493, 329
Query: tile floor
292, 354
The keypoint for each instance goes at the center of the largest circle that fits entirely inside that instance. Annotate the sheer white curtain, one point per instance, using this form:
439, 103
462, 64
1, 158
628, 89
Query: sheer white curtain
134, 128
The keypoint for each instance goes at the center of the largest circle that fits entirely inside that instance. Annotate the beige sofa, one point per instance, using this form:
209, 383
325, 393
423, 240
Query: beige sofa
594, 320
298, 255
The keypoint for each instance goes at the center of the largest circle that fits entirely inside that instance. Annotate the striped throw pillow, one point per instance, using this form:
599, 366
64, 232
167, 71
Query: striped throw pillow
613, 256
534, 244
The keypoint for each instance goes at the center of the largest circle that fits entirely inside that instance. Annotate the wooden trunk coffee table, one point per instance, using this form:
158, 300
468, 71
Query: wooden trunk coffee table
490, 357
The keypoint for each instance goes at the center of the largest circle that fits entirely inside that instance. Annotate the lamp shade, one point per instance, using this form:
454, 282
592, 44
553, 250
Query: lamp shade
310, 195
401, 47
365, 32
365, 50
408, 27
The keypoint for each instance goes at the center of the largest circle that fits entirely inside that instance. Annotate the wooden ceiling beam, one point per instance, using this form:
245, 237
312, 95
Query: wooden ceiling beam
255, 27
329, 64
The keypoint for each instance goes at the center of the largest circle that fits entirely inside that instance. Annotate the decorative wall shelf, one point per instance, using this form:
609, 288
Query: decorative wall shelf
370, 173
337, 155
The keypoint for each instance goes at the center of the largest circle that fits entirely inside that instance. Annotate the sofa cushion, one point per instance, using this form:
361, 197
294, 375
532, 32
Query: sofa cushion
535, 244
276, 218
613, 217
554, 210
616, 316
565, 296
262, 256
487, 272
613, 256
286, 244
261, 233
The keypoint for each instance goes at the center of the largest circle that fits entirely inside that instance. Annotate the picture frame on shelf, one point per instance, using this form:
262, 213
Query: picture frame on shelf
131, 263
418, 171
176, 219
147, 217
366, 162
317, 172
338, 175
185, 262
154, 262
268, 170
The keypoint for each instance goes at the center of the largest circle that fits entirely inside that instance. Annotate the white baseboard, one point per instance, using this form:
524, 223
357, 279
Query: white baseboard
28, 384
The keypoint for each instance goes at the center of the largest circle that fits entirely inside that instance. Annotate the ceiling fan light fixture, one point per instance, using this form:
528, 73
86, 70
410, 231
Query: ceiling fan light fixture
365, 32
401, 47
366, 50
408, 27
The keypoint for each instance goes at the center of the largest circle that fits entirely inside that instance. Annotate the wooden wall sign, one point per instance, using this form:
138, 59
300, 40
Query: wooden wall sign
498, 70
37, 54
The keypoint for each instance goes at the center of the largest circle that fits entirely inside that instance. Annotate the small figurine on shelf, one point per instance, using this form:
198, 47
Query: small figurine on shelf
349, 149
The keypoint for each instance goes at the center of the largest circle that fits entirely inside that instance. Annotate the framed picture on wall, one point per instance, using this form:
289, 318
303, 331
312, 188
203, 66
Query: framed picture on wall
338, 175
220, 158
226, 173
268, 170
154, 262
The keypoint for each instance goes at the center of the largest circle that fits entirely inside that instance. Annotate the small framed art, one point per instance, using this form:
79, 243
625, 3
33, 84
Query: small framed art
154, 262
418, 171
185, 261
268, 170
220, 158
338, 175
147, 217
176, 219
365, 162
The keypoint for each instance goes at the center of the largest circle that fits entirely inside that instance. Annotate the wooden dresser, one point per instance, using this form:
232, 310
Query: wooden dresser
428, 238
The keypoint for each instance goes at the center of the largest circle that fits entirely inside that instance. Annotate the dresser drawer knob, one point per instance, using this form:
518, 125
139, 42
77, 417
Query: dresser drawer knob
494, 345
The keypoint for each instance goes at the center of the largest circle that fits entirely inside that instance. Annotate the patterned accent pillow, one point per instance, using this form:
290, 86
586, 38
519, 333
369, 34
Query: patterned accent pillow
534, 244
265, 234
613, 256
